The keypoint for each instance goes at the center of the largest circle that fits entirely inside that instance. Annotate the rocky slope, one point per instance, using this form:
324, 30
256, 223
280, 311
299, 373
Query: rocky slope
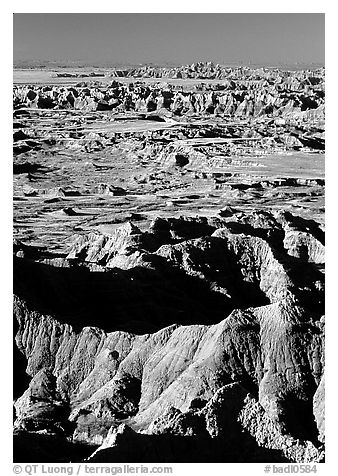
199, 333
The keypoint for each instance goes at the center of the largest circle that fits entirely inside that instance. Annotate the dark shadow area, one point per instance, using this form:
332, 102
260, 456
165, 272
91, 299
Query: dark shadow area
300, 422
304, 224
36, 448
308, 282
188, 449
181, 160
20, 378
138, 300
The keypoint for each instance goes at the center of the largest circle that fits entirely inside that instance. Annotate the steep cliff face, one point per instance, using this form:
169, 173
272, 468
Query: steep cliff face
94, 380
207, 329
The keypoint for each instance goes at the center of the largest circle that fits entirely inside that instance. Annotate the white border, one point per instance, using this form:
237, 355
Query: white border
326, 7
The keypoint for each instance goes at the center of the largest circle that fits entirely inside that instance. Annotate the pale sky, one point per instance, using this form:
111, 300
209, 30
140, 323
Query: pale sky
170, 37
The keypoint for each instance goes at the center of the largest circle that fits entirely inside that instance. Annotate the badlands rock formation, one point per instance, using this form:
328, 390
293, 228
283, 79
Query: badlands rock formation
168, 269
94, 363
245, 94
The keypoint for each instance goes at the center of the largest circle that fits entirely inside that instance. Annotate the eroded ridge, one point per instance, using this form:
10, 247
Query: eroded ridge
206, 332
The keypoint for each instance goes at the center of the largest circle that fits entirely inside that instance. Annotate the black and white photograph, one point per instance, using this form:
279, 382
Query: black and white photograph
168, 239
